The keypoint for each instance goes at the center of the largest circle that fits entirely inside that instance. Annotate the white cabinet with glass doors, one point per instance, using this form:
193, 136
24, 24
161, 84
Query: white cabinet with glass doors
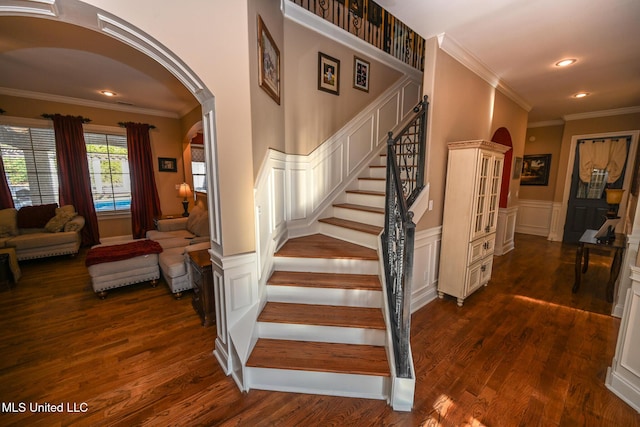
472, 196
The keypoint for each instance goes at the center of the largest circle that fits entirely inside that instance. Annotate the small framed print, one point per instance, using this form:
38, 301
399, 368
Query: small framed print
328, 74
167, 164
269, 58
361, 74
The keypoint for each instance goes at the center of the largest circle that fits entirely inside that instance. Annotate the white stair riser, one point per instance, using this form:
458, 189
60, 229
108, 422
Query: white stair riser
366, 200
318, 333
326, 383
371, 185
378, 173
354, 236
325, 296
364, 217
323, 265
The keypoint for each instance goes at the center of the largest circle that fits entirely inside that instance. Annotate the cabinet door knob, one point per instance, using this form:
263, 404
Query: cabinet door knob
483, 268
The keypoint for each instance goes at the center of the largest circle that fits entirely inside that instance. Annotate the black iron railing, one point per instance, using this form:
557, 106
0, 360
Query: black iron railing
368, 21
405, 180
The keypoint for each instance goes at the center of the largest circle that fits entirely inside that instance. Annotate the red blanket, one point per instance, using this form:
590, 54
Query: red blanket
124, 251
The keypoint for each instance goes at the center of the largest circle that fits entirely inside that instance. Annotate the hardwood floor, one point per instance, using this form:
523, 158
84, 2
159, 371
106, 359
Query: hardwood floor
522, 351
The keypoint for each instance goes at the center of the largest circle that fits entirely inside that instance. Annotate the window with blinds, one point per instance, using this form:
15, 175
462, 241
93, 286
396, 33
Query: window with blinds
198, 168
29, 157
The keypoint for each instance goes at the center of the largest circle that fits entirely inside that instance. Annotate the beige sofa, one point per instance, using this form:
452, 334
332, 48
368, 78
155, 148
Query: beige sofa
178, 237
41, 231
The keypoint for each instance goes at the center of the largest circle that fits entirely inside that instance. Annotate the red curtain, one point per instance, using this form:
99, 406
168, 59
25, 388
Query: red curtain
145, 203
73, 173
6, 201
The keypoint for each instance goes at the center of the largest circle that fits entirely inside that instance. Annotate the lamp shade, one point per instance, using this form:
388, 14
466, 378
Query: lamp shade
614, 195
184, 190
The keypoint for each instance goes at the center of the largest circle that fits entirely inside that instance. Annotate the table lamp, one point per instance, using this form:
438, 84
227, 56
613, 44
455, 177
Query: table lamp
614, 197
184, 191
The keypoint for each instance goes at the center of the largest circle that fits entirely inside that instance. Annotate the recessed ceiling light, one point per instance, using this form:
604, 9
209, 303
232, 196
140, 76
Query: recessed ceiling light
566, 62
108, 93
581, 94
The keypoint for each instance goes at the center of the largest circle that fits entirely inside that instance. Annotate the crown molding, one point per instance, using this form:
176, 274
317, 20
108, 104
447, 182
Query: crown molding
545, 124
85, 102
602, 113
466, 58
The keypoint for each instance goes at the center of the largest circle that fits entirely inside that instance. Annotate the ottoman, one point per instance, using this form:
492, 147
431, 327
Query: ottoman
114, 266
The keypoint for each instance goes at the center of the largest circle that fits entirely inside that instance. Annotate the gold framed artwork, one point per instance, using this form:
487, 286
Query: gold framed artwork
269, 62
361, 74
328, 74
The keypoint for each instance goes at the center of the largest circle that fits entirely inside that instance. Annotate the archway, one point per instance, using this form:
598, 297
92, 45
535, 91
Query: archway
502, 136
92, 18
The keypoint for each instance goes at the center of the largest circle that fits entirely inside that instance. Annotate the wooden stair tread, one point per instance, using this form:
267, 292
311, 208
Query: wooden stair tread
367, 192
325, 280
320, 357
352, 225
367, 178
363, 208
321, 246
323, 315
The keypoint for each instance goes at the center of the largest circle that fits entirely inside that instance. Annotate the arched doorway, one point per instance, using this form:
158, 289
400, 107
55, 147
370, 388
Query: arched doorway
89, 17
505, 230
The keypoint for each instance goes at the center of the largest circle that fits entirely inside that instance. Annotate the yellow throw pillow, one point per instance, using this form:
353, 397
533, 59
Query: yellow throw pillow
8, 222
57, 223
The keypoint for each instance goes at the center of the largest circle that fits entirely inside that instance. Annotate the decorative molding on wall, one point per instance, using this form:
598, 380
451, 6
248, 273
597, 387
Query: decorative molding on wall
30, 7
426, 258
555, 229
314, 22
211, 154
505, 230
534, 217
292, 191
149, 46
466, 58
623, 377
235, 285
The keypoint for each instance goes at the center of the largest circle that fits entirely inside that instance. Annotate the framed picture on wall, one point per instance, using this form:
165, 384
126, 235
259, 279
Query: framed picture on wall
328, 74
167, 164
360, 74
535, 169
269, 58
517, 168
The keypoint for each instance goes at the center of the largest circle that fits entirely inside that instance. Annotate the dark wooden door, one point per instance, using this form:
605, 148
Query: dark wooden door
587, 206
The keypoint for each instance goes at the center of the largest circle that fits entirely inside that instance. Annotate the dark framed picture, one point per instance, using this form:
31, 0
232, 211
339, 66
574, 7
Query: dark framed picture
361, 74
355, 6
328, 74
269, 59
374, 14
535, 169
167, 164
517, 168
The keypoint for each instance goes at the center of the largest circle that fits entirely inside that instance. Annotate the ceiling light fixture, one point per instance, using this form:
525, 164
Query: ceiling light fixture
108, 93
581, 94
566, 62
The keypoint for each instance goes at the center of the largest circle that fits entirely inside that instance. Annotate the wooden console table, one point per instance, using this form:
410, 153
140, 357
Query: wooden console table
588, 241
202, 281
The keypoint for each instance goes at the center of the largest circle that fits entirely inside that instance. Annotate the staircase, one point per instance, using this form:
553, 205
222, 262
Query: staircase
322, 330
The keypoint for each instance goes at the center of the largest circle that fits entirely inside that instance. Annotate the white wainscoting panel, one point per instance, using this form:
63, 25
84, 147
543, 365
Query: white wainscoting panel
534, 217
360, 143
425, 267
623, 377
505, 231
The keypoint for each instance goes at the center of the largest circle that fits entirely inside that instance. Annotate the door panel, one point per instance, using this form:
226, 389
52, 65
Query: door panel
587, 205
